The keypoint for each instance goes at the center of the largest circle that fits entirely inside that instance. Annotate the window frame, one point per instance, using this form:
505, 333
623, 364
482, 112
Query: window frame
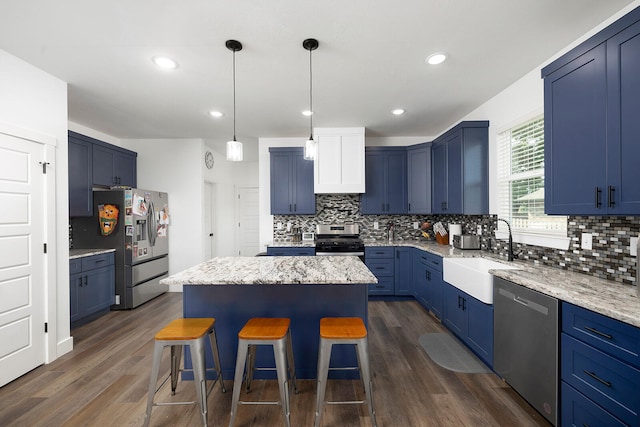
537, 237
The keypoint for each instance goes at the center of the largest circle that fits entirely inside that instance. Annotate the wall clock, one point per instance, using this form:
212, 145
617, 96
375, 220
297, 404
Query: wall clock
208, 159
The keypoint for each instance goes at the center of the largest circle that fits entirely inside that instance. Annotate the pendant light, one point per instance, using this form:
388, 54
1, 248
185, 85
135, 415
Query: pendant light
234, 148
310, 145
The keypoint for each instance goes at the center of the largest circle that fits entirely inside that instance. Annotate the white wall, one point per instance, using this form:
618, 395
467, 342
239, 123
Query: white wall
173, 166
37, 102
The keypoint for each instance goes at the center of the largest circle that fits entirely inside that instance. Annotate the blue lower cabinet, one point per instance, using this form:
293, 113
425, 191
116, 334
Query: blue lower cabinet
91, 287
471, 320
403, 276
599, 368
383, 287
380, 260
290, 251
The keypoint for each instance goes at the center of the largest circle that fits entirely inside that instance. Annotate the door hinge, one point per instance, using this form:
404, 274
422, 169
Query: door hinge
238, 224
46, 327
45, 248
238, 197
44, 166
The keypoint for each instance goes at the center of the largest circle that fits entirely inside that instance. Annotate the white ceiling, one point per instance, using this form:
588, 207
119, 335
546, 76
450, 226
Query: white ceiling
370, 60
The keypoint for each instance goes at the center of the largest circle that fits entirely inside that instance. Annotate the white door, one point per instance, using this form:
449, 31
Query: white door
22, 259
248, 221
210, 220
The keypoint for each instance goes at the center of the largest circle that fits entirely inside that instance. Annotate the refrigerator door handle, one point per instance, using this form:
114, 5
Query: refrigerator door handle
152, 224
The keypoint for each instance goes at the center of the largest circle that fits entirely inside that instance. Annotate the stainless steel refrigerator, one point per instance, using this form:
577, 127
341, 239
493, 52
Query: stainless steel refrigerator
135, 223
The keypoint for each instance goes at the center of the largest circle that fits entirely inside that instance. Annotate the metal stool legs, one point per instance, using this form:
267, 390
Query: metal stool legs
285, 368
324, 358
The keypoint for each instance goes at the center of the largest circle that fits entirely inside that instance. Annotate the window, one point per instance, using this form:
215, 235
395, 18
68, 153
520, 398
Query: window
521, 180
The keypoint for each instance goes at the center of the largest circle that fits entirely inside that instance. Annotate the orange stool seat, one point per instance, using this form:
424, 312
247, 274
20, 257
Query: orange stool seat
260, 328
185, 329
335, 328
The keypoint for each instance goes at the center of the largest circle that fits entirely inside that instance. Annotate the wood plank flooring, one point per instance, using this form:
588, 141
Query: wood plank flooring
104, 380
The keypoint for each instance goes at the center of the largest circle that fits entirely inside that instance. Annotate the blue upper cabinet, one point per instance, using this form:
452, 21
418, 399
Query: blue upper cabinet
80, 177
419, 179
385, 181
591, 107
291, 182
459, 170
113, 166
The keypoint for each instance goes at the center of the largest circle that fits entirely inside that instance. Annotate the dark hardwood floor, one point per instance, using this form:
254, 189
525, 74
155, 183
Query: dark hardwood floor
104, 380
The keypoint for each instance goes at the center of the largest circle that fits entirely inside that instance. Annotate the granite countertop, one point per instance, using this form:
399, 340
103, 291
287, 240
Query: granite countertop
301, 270
301, 244
79, 253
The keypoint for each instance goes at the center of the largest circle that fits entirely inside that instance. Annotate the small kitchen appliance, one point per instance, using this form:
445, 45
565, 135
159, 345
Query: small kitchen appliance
466, 241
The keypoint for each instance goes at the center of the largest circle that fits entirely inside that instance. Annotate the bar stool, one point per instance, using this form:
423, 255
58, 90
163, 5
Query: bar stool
178, 333
265, 331
343, 330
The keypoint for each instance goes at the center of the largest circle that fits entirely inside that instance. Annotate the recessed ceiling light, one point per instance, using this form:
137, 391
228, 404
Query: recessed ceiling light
307, 113
398, 111
165, 63
436, 58
216, 113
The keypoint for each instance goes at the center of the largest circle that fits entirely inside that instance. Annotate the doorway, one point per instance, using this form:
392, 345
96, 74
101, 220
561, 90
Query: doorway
210, 231
248, 236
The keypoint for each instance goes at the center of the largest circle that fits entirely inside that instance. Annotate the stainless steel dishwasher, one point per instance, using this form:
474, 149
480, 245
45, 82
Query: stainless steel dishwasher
525, 344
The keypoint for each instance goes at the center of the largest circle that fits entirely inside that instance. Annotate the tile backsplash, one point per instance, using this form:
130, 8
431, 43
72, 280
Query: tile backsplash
609, 258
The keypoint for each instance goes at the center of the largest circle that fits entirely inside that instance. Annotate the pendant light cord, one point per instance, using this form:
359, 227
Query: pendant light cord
234, 95
310, 96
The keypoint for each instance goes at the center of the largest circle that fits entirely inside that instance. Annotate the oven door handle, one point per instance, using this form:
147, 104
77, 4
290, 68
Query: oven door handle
339, 253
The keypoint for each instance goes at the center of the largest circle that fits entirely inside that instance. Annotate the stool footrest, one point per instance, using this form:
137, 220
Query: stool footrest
348, 368
345, 402
266, 402
193, 402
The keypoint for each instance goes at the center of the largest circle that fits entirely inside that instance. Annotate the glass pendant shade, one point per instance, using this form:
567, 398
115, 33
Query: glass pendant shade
310, 149
234, 151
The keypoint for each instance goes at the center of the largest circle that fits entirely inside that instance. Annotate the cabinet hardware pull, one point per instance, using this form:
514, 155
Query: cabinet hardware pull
382, 207
290, 208
597, 378
80, 281
379, 286
295, 207
464, 304
100, 260
387, 207
459, 301
612, 191
598, 202
86, 282
597, 332
428, 275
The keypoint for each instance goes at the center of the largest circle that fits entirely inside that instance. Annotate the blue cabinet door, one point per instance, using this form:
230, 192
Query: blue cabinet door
396, 181
419, 179
290, 251
80, 155
454, 316
436, 292
291, 182
304, 199
575, 135
103, 161
373, 200
385, 181
623, 102
480, 328
404, 271
475, 171
280, 163
125, 169
454, 174
439, 177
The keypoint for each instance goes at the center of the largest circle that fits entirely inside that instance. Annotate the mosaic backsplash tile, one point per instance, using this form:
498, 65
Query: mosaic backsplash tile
609, 258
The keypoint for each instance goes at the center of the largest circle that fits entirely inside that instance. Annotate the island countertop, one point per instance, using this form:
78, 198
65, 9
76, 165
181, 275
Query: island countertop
281, 270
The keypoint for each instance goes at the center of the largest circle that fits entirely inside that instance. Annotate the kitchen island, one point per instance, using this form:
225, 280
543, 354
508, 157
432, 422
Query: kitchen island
304, 289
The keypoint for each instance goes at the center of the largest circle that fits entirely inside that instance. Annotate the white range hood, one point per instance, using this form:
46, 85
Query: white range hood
339, 163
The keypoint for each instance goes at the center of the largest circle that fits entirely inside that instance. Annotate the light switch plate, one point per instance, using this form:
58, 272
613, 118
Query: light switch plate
633, 246
416, 225
587, 241
479, 230
375, 225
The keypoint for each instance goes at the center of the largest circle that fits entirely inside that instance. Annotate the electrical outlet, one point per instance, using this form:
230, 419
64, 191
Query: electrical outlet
279, 226
416, 225
288, 227
479, 230
633, 246
375, 225
587, 241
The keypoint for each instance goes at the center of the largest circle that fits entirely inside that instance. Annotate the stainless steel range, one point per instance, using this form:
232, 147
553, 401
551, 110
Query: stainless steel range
339, 240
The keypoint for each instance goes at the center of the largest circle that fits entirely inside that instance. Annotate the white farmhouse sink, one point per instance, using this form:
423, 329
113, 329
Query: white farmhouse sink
472, 276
